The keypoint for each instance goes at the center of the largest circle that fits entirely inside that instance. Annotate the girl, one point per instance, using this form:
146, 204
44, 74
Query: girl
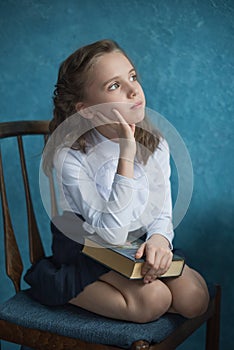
124, 161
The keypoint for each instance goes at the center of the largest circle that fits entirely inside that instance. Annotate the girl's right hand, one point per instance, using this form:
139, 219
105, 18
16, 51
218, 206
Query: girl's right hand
124, 133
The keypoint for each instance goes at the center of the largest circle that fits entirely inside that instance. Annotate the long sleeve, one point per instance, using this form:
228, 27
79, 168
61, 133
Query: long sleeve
162, 216
109, 217
113, 205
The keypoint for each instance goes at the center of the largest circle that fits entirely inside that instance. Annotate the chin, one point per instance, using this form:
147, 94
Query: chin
135, 117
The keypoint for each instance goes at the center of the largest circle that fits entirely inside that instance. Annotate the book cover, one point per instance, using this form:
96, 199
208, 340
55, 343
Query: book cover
122, 258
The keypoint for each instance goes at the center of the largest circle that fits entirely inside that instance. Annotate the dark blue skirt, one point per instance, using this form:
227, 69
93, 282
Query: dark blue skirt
57, 279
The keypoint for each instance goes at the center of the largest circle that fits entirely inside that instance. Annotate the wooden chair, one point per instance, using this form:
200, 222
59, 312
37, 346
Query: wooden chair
26, 322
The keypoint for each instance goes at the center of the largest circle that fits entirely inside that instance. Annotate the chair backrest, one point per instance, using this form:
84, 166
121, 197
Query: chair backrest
14, 265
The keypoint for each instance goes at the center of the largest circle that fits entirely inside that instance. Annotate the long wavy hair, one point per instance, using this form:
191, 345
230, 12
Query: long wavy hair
70, 89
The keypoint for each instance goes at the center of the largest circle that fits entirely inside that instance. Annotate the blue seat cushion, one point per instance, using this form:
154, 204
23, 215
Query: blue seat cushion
75, 322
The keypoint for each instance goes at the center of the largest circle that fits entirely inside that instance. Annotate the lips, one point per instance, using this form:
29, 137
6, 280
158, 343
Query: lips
137, 105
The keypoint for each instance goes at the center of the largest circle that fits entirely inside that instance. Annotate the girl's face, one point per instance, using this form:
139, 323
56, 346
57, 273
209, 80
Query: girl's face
114, 84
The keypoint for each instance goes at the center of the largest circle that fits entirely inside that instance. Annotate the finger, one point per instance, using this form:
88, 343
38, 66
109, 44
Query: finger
140, 251
164, 264
121, 120
153, 269
133, 127
149, 261
119, 116
151, 253
150, 276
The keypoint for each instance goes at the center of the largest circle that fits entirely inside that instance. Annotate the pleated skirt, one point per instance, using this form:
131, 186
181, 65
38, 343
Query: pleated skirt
56, 279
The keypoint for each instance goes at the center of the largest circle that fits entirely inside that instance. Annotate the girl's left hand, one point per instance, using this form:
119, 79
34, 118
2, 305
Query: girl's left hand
158, 257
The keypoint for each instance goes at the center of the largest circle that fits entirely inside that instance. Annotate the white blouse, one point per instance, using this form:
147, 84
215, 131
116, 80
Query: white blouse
113, 205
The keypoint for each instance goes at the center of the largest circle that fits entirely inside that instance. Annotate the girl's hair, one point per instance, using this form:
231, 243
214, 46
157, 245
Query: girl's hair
71, 87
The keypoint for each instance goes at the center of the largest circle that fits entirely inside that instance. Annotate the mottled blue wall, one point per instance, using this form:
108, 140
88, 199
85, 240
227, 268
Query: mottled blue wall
184, 51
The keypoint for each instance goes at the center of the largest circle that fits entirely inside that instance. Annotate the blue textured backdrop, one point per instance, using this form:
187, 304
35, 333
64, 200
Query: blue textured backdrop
184, 51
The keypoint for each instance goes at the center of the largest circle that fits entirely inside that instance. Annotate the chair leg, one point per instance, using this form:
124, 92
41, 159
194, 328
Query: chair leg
140, 345
213, 324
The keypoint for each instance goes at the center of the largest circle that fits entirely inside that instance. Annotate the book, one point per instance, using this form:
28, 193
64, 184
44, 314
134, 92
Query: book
122, 258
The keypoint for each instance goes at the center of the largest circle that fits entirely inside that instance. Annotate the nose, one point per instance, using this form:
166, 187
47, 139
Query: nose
132, 91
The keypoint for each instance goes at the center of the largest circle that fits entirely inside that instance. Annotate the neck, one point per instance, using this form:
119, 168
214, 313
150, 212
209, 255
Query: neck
107, 132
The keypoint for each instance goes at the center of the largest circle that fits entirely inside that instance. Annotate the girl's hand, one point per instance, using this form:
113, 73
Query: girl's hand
116, 129
158, 257
123, 131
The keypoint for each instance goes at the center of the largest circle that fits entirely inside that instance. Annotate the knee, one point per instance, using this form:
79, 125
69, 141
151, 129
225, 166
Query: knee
155, 304
196, 303
161, 300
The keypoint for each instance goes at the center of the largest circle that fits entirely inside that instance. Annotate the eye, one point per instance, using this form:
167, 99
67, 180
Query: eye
133, 77
113, 86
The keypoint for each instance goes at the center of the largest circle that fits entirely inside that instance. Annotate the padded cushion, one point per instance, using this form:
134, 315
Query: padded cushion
75, 322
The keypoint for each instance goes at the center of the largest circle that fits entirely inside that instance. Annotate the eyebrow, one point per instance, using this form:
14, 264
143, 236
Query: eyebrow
116, 77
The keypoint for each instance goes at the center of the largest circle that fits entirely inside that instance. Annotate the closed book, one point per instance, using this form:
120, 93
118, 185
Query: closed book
122, 258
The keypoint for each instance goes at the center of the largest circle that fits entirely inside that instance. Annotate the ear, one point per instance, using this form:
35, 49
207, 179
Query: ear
79, 106
83, 110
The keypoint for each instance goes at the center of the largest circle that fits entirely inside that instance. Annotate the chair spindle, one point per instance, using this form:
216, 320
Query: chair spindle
14, 265
54, 207
35, 245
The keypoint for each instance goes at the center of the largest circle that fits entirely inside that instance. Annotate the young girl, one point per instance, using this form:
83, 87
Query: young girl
124, 162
